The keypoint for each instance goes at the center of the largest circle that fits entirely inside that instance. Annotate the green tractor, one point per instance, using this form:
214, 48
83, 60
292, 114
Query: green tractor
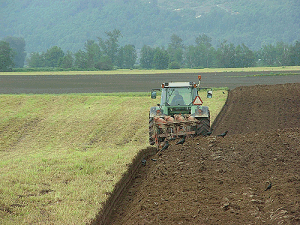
179, 114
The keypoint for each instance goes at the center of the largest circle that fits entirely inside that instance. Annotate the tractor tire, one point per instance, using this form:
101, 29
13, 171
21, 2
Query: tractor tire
151, 131
203, 127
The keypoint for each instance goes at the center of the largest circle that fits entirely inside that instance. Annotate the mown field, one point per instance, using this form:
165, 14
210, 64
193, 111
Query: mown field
61, 155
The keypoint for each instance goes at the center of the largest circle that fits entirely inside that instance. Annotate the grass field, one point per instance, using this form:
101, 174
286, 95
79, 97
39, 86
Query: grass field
136, 71
62, 154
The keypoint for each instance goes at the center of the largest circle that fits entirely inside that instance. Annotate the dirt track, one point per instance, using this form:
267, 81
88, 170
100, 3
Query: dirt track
215, 180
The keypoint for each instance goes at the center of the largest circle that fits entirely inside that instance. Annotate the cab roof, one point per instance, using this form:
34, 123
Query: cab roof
178, 84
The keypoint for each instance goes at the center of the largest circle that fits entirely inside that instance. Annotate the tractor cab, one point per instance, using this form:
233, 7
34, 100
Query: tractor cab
179, 97
178, 94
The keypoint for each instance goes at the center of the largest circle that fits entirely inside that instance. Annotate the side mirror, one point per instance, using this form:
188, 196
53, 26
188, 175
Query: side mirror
153, 94
209, 94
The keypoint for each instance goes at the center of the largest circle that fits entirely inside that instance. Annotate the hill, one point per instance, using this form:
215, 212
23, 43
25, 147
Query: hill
69, 24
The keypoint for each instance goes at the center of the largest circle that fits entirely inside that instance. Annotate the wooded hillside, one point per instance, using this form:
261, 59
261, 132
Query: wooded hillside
69, 24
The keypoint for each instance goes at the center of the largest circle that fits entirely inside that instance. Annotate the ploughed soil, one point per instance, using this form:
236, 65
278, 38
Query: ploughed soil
215, 180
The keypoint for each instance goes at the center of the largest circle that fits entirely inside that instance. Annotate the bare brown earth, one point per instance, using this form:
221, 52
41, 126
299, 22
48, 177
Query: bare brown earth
215, 180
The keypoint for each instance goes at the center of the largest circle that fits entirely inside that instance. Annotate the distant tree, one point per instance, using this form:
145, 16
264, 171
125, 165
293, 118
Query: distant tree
93, 53
194, 55
67, 61
244, 57
268, 55
104, 64
6, 56
189, 56
226, 55
175, 50
211, 57
127, 57
110, 47
18, 46
204, 40
280, 54
283, 54
36, 60
202, 54
81, 60
239, 57
295, 54
205, 51
53, 56
199, 56
120, 61
147, 57
174, 65
160, 59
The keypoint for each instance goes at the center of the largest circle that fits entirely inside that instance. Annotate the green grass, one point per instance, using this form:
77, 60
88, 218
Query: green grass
62, 154
136, 71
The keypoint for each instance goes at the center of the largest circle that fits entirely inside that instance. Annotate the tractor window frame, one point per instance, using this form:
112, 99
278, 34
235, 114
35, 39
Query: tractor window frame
188, 94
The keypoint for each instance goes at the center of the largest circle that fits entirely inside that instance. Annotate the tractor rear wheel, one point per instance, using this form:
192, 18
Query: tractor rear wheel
203, 127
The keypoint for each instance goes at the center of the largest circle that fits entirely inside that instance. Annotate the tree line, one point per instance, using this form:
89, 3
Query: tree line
107, 54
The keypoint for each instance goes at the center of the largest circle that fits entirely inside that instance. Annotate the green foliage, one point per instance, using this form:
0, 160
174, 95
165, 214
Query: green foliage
127, 57
67, 61
280, 54
36, 60
201, 55
81, 60
226, 55
160, 59
105, 63
53, 56
295, 54
18, 46
175, 51
147, 56
6, 57
108, 54
174, 65
110, 47
244, 57
93, 53
229, 56
268, 55
204, 40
